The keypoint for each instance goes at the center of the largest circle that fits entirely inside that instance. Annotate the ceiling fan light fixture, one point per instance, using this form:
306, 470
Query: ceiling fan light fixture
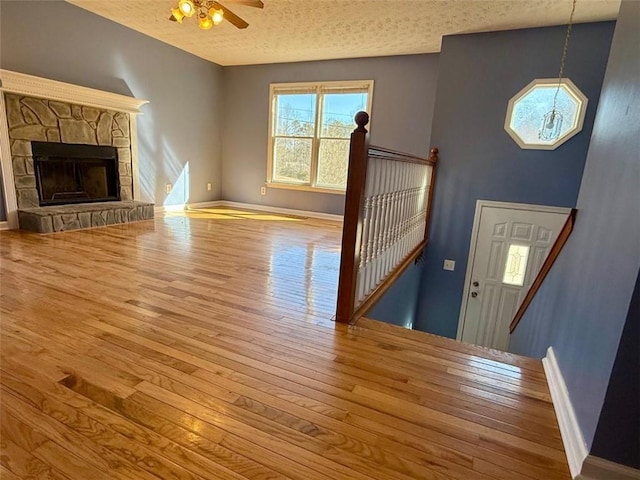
204, 22
187, 7
176, 15
217, 15
210, 12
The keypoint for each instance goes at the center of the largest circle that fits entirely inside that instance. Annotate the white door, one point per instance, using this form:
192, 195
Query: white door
508, 246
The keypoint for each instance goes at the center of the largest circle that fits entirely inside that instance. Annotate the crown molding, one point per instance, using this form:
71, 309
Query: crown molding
21, 83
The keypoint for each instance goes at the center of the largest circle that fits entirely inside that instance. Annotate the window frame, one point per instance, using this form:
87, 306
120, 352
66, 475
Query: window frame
319, 89
572, 90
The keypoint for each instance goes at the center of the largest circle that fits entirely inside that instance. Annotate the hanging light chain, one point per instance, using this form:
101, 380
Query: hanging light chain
563, 59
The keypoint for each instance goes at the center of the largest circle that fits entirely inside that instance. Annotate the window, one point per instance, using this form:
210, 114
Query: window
516, 265
529, 121
309, 129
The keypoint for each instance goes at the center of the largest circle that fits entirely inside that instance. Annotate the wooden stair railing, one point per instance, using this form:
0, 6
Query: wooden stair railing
386, 220
563, 236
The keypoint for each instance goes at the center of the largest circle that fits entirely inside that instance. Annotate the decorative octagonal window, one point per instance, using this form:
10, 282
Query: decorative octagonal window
534, 123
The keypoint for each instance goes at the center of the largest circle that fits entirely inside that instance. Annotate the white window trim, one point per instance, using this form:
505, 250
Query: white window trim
309, 187
574, 92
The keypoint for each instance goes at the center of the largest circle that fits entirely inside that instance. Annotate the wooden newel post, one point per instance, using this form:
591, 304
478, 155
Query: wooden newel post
433, 155
353, 209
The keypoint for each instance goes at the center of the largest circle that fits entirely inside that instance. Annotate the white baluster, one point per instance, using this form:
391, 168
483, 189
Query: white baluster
391, 220
380, 230
365, 246
373, 230
411, 210
386, 219
406, 192
377, 242
360, 280
391, 230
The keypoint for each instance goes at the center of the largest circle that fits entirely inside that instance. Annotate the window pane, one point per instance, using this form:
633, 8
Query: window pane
516, 265
292, 160
295, 115
529, 111
338, 110
333, 160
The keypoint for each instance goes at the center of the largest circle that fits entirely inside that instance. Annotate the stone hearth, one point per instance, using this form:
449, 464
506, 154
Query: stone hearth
83, 215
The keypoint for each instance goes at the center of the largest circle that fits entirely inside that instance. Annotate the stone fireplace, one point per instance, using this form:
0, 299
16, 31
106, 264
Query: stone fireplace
71, 164
40, 120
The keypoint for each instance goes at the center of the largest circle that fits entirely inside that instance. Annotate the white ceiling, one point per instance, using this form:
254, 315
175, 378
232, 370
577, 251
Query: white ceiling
298, 30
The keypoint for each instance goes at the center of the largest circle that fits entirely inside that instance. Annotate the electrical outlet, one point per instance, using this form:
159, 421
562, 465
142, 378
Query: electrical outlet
168, 187
263, 190
208, 187
449, 265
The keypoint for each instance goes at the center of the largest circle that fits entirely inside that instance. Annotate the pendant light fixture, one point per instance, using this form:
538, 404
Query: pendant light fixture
548, 111
552, 121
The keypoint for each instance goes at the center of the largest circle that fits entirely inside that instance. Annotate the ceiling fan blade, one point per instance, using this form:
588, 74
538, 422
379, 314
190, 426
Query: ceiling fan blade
248, 3
231, 17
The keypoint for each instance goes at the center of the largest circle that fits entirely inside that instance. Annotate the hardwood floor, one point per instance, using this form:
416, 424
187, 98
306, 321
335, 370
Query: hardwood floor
200, 346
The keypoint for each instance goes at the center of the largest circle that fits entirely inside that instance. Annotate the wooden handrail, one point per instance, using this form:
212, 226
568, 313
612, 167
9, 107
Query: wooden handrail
563, 236
433, 157
387, 154
355, 225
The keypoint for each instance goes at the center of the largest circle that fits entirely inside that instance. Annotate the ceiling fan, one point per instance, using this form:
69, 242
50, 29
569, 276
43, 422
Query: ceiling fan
210, 13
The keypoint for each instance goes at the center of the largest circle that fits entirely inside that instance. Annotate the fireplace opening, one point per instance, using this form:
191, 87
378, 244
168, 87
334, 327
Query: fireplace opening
70, 173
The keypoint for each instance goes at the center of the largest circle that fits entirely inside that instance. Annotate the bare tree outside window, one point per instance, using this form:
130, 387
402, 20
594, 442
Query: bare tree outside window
311, 131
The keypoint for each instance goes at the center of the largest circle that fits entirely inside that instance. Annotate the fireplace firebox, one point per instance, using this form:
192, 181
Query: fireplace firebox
69, 173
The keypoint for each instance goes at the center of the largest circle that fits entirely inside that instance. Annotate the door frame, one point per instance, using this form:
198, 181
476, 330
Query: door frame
480, 204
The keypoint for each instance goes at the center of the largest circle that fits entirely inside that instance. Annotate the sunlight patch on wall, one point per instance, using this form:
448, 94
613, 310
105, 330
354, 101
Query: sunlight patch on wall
179, 194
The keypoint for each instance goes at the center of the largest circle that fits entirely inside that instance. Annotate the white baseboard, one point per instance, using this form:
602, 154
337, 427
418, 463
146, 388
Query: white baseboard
595, 468
250, 206
574, 444
170, 208
213, 203
284, 211
4, 226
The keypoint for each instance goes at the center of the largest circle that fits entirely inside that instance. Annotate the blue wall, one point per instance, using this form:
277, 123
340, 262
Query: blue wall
478, 74
581, 308
179, 131
398, 304
617, 437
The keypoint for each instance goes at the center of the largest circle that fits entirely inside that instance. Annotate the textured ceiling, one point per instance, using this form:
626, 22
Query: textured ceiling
297, 30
